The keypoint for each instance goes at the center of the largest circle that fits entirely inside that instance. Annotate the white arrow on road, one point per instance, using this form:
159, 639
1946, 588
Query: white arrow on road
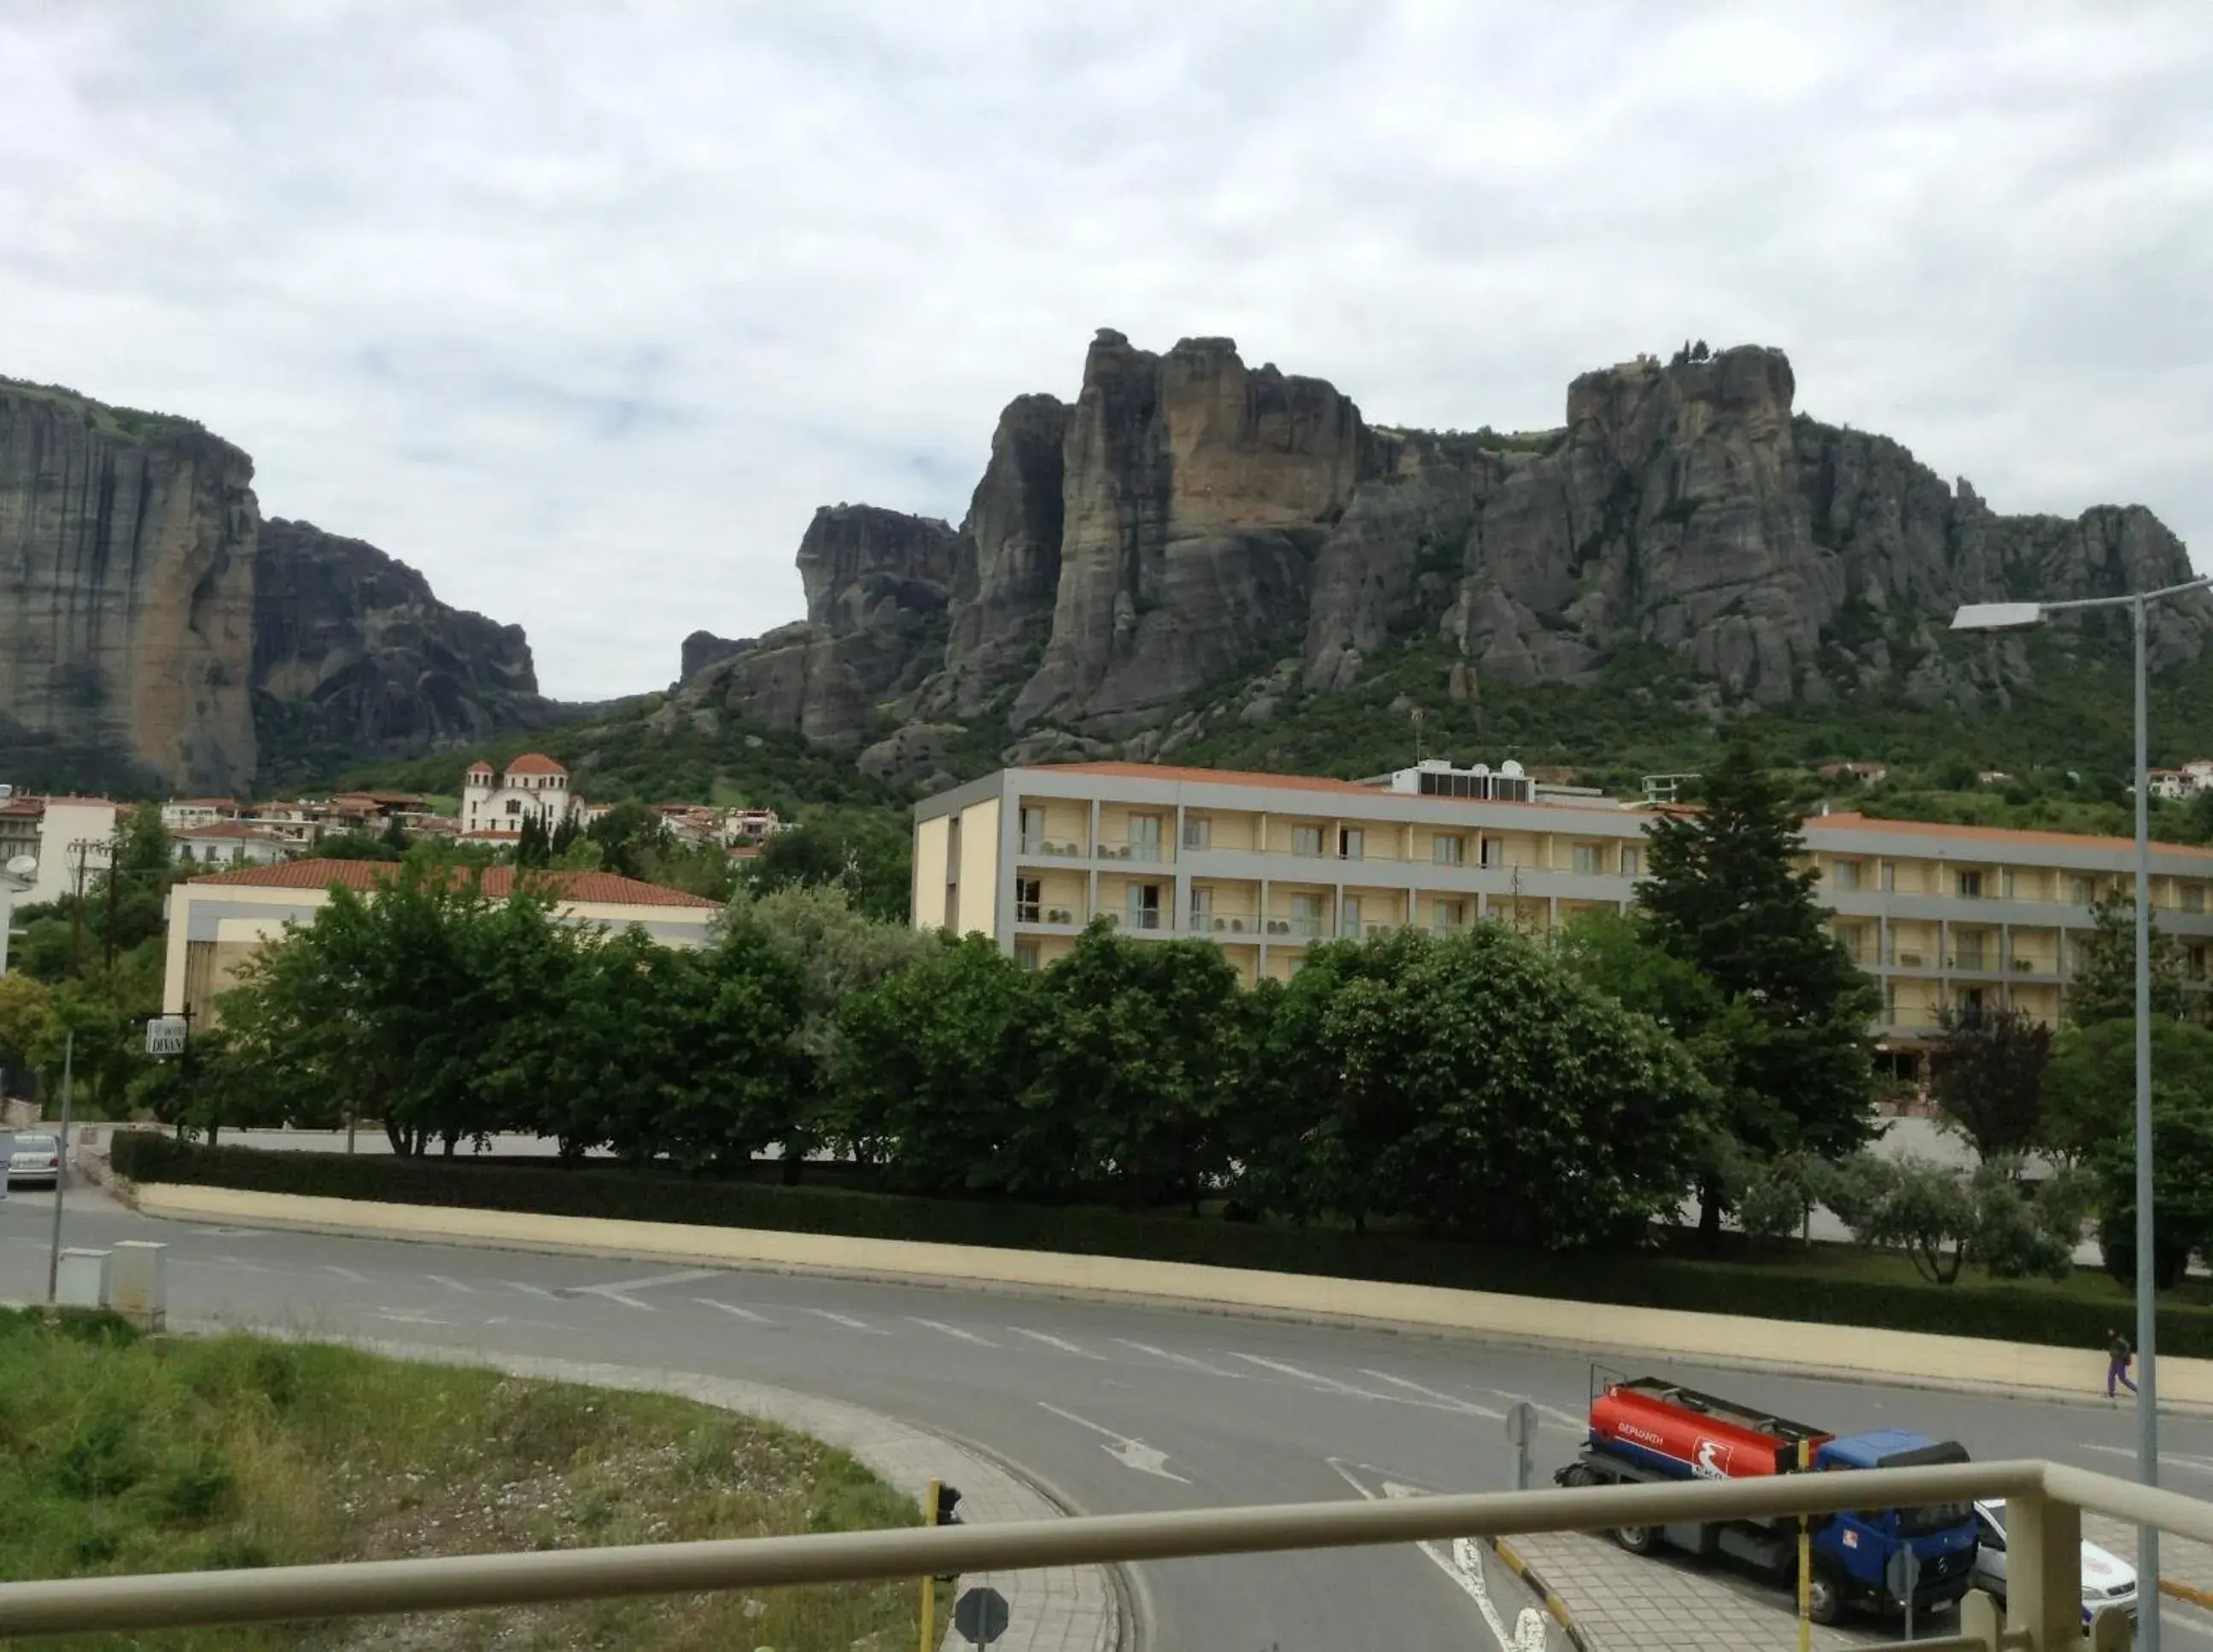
1131, 1454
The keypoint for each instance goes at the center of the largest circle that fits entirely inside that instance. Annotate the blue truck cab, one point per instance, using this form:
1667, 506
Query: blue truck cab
1859, 1544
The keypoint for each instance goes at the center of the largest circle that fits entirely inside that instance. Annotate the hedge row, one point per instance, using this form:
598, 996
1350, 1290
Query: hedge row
1778, 1289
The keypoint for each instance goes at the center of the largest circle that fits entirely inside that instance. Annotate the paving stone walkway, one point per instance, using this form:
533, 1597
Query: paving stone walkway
1068, 1609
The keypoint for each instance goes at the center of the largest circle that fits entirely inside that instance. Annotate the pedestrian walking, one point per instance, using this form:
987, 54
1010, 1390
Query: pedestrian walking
2118, 1356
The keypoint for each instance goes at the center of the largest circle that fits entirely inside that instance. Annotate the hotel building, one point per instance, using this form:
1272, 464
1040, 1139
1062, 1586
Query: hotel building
1267, 865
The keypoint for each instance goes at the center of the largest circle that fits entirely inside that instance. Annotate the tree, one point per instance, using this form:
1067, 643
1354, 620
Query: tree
626, 834
1479, 1086
1136, 1053
394, 836
1987, 1075
26, 1004
1944, 1221
870, 852
2182, 1187
2103, 986
533, 847
1725, 894
2090, 1082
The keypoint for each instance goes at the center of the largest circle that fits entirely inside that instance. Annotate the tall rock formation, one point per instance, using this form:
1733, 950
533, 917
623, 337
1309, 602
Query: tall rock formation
156, 634
1191, 522
876, 585
126, 596
354, 657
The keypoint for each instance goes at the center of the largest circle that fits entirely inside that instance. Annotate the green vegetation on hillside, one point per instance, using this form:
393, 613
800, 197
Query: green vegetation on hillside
120, 1454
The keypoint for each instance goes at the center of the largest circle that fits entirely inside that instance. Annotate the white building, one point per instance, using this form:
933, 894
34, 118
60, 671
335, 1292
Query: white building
228, 842
67, 823
534, 787
179, 813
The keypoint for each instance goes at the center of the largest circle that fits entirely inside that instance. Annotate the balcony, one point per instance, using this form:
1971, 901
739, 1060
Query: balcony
1149, 854
1303, 927
1154, 920
1051, 849
1031, 912
1234, 923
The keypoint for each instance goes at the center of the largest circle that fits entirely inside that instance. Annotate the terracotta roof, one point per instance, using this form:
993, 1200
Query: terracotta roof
604, 888
1994, 836
535, 763
480, 767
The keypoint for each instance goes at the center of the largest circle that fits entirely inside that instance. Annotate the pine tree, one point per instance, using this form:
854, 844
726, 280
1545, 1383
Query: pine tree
1727, 894
2103, 984
532, 846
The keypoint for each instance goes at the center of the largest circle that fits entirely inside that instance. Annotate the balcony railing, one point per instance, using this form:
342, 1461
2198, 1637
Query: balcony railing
1051, 849
1030, 912
2045, 1504
1224, 924
1304, 928
1154, 920
1152, 854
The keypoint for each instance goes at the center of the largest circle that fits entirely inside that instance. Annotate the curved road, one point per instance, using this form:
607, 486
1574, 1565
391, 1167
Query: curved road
1116, 1408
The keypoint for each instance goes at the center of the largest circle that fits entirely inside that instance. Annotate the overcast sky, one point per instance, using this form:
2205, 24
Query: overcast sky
582, 309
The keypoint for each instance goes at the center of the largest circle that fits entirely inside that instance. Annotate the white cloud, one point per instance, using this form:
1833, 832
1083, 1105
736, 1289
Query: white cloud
582, 311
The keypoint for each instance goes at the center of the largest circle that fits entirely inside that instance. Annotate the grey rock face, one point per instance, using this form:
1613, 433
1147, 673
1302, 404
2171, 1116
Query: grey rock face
1006, 565
126, 596
354, 657
702, 648
877, 584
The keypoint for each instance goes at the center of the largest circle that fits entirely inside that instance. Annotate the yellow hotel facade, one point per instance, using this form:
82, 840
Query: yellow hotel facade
1267, 865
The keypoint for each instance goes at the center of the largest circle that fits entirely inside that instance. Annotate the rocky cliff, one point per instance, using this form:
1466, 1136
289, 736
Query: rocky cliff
1189, 523
877, 584
354, 657
126, 596
155, 633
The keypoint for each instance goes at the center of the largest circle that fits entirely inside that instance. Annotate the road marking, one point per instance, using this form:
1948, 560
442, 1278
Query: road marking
847, 1320
1453, 1400
1330, 1384
358, 1279
531, 1291
1188, 1362
243, 1266
450, 1285
1565, 1419
734, 1311
2177, 1460
1051, 1341
409, 1316
1463, 1565
620, 1289
1131, 1454
532, 1325
953, 1331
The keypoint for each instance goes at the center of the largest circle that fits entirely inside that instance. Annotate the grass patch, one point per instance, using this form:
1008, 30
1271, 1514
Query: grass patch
1838, 1284
121, 1453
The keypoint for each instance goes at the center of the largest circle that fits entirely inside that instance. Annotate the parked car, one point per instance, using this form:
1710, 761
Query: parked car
37, 1159
2107, 1581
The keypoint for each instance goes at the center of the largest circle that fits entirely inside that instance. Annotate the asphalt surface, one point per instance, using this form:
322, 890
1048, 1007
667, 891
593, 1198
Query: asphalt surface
1113, 1408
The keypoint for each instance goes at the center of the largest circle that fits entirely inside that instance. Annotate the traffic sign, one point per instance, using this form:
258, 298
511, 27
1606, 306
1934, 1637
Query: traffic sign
165, 1035
1903, 1573
981, 1616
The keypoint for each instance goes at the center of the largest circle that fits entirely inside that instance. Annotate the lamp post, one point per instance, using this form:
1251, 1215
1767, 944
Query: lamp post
2012, 616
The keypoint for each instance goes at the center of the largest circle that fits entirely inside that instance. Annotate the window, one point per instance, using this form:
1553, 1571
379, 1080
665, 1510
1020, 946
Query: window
1631, 863
1448, 915
2082, 892
1197, 831
1307, 840
1306, 915
1845, 876
1033, 831
1889, 877
1026, 955
1351, 843
1449, 849
1202, 909
1029, 899
1348, 916
1585, 860
1970, 884
2193, 898
1145, 837
514, 805
1493, 852
1144, 905
2007, 883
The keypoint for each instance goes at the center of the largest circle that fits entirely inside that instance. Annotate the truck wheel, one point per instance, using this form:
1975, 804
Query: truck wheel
1575, 1474
1637, 1539
1825, 1599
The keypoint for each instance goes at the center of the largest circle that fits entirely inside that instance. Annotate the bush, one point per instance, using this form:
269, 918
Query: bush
1799, 1289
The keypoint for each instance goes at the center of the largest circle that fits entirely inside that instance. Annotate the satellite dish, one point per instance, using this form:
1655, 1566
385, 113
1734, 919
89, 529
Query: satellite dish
23, 866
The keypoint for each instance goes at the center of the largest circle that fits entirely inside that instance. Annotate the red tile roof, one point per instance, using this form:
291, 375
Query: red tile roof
535, 763
604, 888
1995, 835
480, 767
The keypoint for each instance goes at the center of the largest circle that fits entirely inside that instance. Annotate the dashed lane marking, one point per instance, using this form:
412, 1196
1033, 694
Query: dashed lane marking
1051, 1341
734, 1311
353, 1275
530, 1290
1328, 1383
1189, 1362
1453, 1400
953, 1331
848, 1321
245, 1266
450, 1285
621, 1290
1565, 1419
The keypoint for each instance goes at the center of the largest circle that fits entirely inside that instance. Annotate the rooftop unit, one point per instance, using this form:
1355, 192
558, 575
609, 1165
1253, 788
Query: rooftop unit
1435, 778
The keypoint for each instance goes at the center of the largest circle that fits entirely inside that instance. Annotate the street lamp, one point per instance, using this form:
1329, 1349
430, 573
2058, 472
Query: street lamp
2012, 616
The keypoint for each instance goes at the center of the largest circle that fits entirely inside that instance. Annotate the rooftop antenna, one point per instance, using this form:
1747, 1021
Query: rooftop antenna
1416, 714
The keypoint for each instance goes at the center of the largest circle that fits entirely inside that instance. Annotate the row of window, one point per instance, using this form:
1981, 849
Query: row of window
1144, 904
1346, 843
1974, 883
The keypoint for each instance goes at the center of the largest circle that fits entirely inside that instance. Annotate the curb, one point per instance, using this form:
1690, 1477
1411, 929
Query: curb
1522, 1570
2196, 1597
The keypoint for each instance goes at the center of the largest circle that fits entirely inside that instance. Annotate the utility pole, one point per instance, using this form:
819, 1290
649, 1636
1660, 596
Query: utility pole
61, 1168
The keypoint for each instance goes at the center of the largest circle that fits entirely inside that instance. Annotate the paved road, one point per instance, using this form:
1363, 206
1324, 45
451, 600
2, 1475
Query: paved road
1117, 1408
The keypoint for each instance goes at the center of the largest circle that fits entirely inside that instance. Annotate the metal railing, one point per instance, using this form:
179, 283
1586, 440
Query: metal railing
2044, 1503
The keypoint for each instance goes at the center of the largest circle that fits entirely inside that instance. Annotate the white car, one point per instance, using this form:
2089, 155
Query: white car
2107, 1581
36, 1159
